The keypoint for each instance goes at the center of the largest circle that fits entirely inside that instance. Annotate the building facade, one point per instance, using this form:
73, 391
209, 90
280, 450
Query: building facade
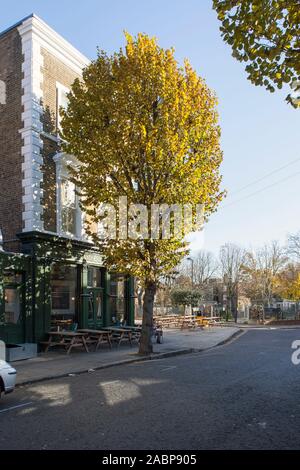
50, 272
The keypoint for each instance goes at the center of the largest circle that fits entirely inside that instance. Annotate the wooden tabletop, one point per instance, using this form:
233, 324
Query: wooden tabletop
89, 331
133, 328
209, 318
64, 333
116, 329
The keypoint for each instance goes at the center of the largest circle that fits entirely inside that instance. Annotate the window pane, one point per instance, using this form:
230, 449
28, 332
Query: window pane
63, 290
12, 305
69, 210
91, 307
11, 277
117, 285
99, 306
68, 220
68, 196
94, 277
118, 305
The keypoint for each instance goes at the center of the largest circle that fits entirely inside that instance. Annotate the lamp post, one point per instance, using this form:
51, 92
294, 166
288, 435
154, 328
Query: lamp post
192, 266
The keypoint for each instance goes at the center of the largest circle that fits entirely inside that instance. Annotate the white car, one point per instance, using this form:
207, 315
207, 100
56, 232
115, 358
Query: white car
8, 377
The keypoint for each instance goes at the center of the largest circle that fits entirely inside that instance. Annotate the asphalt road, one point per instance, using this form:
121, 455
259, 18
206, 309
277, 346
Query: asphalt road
243, 395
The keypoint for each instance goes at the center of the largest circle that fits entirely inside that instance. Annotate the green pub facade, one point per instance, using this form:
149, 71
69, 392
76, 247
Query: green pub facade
50, 272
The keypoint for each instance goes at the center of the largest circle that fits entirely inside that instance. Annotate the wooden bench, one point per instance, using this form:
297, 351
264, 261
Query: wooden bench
136, 332
96, 337
120, 334
67, 339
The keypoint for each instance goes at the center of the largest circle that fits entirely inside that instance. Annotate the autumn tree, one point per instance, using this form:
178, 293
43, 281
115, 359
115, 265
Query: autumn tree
144, 128
265, 34
287, 283
263, 266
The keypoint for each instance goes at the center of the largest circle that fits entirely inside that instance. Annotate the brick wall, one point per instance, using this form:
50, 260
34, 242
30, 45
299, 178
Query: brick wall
49, 185
10, 139
53, 71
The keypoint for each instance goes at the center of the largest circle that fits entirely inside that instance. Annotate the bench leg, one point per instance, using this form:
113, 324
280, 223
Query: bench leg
70, 346
84, 344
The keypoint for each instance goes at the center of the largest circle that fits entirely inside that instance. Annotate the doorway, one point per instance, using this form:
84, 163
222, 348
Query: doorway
95, 298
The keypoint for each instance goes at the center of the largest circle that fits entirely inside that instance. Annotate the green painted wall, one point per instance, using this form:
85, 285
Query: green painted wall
41, 252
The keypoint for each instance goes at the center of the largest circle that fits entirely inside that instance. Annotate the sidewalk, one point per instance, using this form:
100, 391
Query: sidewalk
266, 326
57, 363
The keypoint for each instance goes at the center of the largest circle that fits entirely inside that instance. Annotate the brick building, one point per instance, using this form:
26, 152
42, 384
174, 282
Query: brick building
50, 272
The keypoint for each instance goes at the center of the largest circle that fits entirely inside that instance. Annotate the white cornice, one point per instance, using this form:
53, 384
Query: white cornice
36, 28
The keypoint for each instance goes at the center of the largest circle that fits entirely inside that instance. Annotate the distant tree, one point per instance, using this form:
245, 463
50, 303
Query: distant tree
186, 297
266, 35
293, 247
147, 129
262, 268
205, 266
287, 283
232, 258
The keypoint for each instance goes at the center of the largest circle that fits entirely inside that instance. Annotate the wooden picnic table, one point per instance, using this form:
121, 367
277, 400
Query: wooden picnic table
176, 320
60, 325
96, 336
136, 332
189, 322
122, 334
67, 339
133, 328
214, 319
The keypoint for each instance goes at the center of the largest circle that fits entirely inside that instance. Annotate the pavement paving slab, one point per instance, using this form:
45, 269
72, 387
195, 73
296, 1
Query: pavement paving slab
57, 363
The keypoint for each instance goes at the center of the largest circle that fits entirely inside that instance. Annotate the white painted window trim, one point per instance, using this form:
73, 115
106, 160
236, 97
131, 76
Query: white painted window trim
62, 161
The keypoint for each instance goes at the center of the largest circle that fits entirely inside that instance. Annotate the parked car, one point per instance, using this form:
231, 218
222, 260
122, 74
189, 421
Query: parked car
8, 377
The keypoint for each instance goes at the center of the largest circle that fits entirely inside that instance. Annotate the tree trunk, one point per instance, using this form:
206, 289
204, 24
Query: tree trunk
234, 308
140, 302
148, 303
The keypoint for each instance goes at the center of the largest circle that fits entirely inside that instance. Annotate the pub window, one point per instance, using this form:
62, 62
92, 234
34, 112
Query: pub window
12, 305
70, 211
63, 291
69, 214
12, 297
94, 277
117, 299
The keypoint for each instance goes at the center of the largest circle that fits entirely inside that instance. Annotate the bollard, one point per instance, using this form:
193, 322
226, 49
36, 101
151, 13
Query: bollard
2, 351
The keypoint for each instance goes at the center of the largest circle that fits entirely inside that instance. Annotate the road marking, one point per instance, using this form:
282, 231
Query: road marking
16, 406
168, 368
109, 383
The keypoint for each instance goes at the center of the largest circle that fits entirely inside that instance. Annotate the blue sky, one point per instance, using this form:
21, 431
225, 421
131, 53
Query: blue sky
260, 132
